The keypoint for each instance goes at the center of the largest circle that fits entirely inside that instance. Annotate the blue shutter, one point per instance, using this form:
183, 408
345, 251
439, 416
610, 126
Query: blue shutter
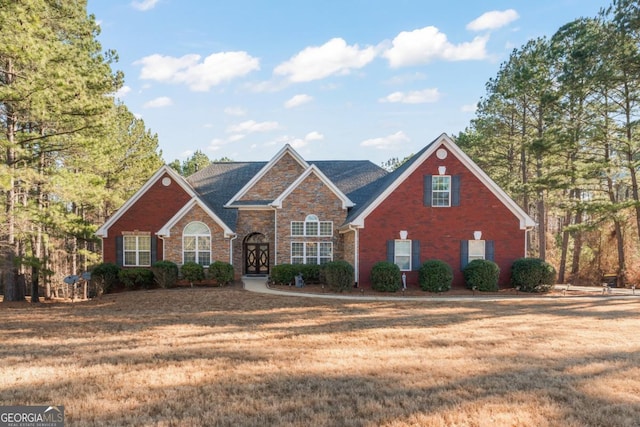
455, 190
427, 190
391, 248
464, 253
154, 249
119, 252
489, 250
415, 255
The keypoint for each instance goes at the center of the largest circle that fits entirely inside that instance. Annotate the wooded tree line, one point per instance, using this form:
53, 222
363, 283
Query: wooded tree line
70, 154
559, 130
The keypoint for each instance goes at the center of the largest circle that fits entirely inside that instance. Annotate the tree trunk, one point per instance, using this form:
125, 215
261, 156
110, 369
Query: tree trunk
565, 248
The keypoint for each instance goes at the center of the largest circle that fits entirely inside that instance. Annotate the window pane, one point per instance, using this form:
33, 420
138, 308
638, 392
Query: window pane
297, 250
144, 243
325, 250
326, 228
297, 228
476, 249
144, 258
129, 258
204, 258
404, 262
189, 243
312, 250
130, 243
441, 190
297, 260
189, 256
204, 243
196, 228
312, 228
403, 254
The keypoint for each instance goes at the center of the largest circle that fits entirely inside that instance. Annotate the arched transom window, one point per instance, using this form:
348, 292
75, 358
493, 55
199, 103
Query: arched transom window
311, 226
196, 243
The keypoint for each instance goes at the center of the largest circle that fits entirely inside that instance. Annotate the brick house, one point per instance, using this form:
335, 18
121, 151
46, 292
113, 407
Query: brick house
254, 215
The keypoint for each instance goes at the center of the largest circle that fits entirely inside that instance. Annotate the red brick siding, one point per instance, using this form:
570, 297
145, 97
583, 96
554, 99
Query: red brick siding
276, 180
440, 230
148, 214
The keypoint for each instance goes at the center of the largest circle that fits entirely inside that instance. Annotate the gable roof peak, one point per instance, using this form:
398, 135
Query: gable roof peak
286, 149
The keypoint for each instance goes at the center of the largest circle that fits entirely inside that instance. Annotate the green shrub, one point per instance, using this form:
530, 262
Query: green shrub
133, 278
221, 272
435, 276
165, 273
482, 275
310, 272
386, 277
105, 277
339, 275
532, 275
284, 274
192, 272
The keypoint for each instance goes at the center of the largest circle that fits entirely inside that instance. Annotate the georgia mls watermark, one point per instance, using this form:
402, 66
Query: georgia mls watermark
31, 416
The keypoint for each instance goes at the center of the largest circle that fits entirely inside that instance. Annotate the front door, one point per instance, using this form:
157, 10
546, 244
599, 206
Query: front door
256, 258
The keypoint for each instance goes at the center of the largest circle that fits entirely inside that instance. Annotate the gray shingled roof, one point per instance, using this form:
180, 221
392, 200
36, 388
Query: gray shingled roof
219, 182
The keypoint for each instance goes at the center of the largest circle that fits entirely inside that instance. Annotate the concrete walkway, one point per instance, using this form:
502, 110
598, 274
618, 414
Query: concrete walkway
259, 285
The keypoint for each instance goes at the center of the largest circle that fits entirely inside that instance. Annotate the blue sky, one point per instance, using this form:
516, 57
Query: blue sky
336, 79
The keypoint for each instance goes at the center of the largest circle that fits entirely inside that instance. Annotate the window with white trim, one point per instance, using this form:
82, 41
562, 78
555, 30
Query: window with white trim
476, 250
196, 243
137, 250
311, 227
311, 252
441, 190
402, 254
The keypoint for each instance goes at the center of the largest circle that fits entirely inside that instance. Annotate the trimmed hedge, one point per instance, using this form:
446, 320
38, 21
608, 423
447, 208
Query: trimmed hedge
221, 272
283, 274
133, 278
105, 277
192, 272
435, 276
339, 275
165, 273
532, 275
386, 277
482, 275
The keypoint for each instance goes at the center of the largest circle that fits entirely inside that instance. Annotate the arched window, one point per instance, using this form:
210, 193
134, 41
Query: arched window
312, 226
196, 243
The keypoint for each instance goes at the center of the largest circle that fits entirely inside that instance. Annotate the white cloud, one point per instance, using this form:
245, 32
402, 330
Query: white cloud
469, 108
162, 101
386, 142
251, 126
298, 100
144, 5
235, 111
413, 97
334, 57
298, 142
122, 92
493, 20
198, 75
428, 44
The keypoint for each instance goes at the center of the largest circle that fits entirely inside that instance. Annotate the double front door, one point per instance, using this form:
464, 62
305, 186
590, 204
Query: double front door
256, 258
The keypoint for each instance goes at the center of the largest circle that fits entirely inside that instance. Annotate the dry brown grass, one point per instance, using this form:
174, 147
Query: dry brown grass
211, 356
